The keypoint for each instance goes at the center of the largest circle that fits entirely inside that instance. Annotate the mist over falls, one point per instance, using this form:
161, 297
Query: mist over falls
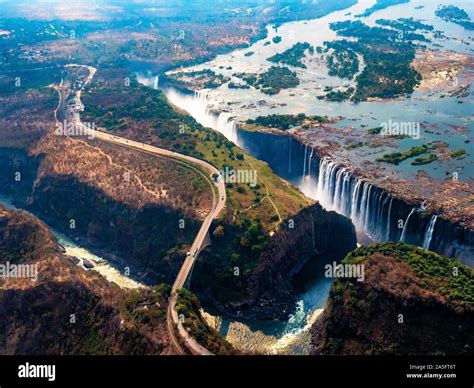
196, 105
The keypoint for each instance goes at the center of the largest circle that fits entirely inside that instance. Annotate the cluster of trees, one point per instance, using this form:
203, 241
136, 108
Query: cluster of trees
293, 55
424, 160
189, 307
388, 72
342, 62
381, 4
405, 24
456, 15
233, 85
148, 306
338, 95
285, 122
397, 157
273, 80
436, 270
147, 105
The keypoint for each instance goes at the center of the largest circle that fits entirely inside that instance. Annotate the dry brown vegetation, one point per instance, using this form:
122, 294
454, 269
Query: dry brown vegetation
126, 175
411, 301
107, 317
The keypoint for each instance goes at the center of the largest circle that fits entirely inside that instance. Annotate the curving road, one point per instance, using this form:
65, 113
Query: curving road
217, 205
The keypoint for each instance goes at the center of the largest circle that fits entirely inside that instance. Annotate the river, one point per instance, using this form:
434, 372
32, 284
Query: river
74, 249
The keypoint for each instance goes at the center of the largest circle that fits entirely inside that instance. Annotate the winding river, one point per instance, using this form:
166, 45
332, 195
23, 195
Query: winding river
83, 255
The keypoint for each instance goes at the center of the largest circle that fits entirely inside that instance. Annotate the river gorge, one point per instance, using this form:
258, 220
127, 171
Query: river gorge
336, 178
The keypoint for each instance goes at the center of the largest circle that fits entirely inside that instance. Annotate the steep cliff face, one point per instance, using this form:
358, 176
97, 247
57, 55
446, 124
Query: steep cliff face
262, 288
386, 202
68, 310
411, 301
149, 238
67, 318
265, 235
136, 206
18, 171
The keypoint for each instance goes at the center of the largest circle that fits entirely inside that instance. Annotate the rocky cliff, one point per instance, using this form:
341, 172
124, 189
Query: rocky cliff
68, 310
411, 301
243, 283
389, 200
123, 204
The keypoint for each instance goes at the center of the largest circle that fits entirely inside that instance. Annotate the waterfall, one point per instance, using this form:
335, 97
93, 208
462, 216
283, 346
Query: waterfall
304, 160
367, 206
337, 189
363, 204
309, 161
346, 189
355, 196
381, 234
373, 210
429, 232
155, 81
197, 105
289, 155
404, 230
387, 236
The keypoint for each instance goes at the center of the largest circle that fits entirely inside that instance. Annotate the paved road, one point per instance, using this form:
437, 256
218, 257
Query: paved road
217, 205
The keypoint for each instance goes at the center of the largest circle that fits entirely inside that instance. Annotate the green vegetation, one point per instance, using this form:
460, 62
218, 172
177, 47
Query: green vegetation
285, 122
397, 157
388, 72
205, 78
355, 145
338, 95
249, 53
233, 85
292, 56
147, 307
374, 131
189, 307
381, 4
342, 61
424, 160
29, 78
405, 25
439, 274
276, 39
419, 285
459, 154
456, 15
273, 80
148, 104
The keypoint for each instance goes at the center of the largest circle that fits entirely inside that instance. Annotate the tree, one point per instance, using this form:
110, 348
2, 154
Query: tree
219, 231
